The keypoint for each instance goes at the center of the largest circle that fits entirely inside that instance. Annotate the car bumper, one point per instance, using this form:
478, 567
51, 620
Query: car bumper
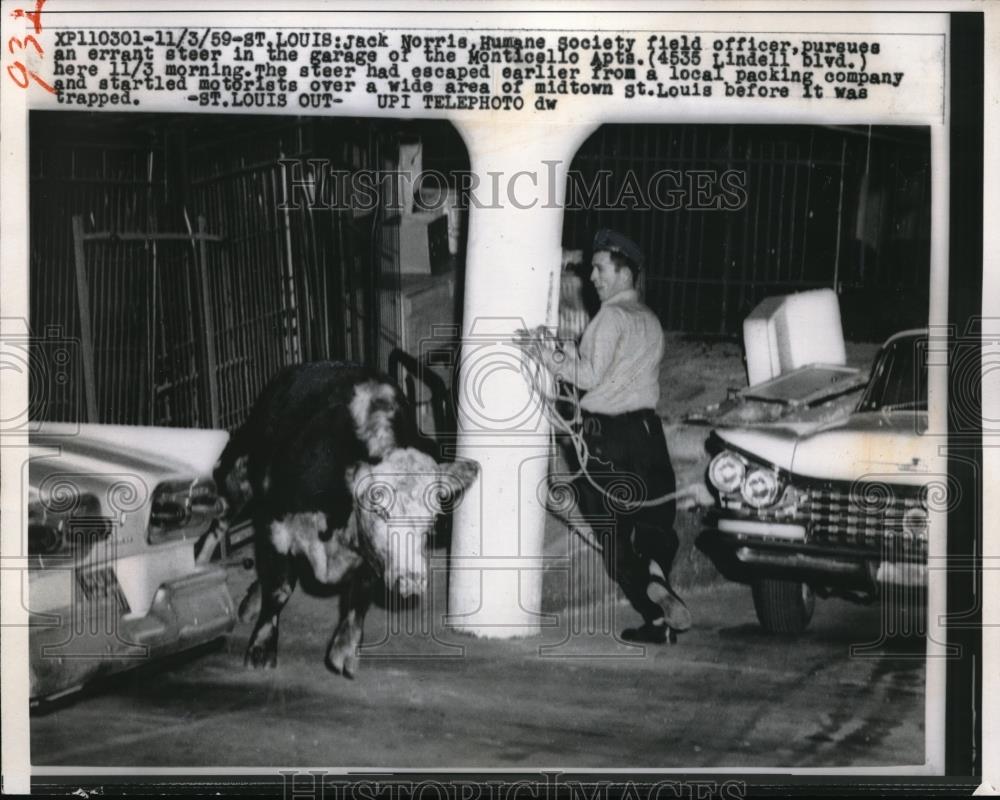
782, 550
81, 643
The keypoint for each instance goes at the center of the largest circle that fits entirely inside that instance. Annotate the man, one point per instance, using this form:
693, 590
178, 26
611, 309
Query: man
617, 365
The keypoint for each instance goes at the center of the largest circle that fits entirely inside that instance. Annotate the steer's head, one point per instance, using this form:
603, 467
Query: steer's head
396, 502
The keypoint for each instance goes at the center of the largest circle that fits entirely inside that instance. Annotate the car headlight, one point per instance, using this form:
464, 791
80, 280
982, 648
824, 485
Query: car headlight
726, 472
760, 487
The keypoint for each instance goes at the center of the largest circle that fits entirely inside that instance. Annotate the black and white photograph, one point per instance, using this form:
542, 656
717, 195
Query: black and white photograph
397, 401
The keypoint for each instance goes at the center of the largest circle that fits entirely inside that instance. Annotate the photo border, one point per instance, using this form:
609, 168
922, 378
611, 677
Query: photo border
964, 754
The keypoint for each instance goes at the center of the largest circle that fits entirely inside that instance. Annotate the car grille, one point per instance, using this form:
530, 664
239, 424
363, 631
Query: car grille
869, 519
867, 516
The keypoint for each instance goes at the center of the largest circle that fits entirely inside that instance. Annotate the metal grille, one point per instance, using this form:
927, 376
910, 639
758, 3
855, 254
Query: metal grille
142, 299
117, 185
270, 304
825, 207
142, 341
295, 282
875, 521
199, 281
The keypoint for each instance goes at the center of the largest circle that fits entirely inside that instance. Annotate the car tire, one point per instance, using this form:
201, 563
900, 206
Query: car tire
783, 607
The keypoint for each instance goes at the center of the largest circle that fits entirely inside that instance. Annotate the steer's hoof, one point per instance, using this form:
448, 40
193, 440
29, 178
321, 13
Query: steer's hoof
343, 661
258, 657
336, 660
351, 665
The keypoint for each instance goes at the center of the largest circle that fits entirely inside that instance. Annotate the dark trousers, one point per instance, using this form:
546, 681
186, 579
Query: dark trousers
629, 459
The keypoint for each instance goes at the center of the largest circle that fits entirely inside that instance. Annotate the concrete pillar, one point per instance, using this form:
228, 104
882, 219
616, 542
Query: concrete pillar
512, 281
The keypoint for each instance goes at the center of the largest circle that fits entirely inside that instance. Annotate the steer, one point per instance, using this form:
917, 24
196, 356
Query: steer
327, 469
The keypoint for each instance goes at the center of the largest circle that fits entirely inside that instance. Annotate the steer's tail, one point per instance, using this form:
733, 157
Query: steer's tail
232, 478
232, 482
236, 448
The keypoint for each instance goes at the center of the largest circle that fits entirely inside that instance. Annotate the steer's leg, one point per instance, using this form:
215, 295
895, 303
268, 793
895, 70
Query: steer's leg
250, 604
277, 582
342, 655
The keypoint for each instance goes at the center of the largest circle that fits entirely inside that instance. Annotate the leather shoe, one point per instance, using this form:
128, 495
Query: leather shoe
648, 632
674, 609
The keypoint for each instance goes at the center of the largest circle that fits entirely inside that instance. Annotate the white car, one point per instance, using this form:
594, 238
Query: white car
835, 510
114, 516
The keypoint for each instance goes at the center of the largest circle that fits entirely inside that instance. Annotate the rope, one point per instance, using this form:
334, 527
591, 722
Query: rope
573, 429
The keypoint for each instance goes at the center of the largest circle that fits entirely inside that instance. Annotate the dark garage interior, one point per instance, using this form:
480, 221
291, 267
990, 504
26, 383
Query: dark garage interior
840, 207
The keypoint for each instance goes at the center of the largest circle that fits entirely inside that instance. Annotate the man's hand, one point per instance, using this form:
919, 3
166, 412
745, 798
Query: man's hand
539, 336
532, 341
541, 345
523, 337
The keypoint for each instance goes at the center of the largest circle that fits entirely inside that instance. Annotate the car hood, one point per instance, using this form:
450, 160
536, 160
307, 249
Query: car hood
873, 445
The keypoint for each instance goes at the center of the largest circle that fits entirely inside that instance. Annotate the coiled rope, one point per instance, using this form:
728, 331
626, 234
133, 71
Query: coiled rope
535, 374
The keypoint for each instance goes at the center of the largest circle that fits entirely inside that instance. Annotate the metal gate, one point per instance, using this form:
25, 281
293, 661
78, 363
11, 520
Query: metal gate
292, 280
199, 281
147, 326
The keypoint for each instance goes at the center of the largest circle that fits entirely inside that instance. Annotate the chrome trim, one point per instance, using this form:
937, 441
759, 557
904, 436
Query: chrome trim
799, 561
905, 573
774, 529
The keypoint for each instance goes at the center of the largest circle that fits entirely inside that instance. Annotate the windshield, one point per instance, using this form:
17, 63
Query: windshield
899, 377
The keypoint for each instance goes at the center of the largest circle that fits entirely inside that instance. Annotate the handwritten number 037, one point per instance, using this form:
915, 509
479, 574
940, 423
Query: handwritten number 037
19, 73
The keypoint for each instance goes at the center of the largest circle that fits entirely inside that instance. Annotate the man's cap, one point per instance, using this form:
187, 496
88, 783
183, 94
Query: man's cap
607, 239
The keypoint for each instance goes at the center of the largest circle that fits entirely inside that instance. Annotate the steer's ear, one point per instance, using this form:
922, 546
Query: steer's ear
353, 474
461, 473
349, 474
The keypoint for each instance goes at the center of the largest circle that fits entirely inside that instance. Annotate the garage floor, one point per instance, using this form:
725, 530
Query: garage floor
725, 695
